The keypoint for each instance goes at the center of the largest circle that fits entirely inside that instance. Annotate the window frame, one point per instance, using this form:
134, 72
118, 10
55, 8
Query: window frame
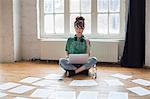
94, 31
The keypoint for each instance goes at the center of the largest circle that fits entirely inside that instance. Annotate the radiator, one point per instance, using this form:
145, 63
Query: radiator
104, 51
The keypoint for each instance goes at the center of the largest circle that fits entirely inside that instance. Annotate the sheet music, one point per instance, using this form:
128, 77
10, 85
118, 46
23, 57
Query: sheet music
42, 93
8, 85
121, 76
114, 82
54, 77
139, 91
83, 83
88, 95
30, 80
20, 98
142, 82
21, 89
118, 95
3, 94
45, 83
65, 95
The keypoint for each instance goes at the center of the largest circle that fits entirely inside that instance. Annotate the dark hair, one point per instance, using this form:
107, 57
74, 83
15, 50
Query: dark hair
79, 22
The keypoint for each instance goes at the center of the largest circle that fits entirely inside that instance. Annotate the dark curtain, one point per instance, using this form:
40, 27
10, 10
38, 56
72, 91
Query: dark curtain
134, 49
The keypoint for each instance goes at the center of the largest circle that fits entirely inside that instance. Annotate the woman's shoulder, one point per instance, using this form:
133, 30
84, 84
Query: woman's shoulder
70, 38
87, 40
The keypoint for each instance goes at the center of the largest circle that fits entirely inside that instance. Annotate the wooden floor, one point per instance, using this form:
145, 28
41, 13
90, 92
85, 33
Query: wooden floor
14, 72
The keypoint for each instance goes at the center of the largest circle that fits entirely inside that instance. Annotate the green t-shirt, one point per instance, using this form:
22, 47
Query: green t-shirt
76, 45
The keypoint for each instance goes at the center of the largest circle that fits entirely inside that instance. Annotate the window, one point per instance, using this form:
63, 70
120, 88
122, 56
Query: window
53, 17
108, 16
103, 18
80, 8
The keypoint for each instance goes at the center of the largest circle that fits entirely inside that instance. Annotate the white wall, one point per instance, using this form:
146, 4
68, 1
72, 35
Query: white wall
6, 31
30, 43
147, 57
0, 33
17, 29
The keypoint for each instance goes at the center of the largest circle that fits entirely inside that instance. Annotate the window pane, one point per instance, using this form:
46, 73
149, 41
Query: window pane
114, 23
49, 24
87, 29
103, 23
48, 6
85, 6
114, 5
59, 6
59, 23
72, 20
102, 5
75, 6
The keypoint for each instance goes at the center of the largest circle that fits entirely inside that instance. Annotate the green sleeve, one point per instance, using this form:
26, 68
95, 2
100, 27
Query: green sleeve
67, 45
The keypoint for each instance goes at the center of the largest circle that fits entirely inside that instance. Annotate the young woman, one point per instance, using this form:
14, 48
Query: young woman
77, 45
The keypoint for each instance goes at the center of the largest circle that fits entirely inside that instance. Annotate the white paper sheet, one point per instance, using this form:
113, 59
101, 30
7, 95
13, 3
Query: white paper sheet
118, 95
139, 91
54, 77
83, 83
20, 98
42, 93
30, 80
21, 89
45, 83
142, 82
3, 94
65, 95
88, 95
8, 85
114, 82
52, 96
121, 76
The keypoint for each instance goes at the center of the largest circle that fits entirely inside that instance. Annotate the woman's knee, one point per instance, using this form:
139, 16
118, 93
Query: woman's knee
93, 60
62, 61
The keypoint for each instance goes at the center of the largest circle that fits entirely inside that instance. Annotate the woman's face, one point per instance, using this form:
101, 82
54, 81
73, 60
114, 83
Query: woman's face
79, 30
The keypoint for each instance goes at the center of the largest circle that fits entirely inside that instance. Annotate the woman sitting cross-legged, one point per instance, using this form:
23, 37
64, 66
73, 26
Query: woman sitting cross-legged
77, 45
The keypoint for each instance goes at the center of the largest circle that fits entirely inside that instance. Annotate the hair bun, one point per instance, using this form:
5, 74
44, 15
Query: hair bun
79, 18
79, 22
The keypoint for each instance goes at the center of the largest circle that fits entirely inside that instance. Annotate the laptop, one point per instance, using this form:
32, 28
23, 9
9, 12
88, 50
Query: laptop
78, 58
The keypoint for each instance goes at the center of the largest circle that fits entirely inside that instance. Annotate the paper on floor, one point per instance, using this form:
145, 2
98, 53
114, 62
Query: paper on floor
118, 95
21, 89
20, 98
139, 91
45, 83
30, 80
65, 95
121, 76
8, 85
114, 82
142, 82
54, 77
88, 95
3, 94
83, 83
42, 93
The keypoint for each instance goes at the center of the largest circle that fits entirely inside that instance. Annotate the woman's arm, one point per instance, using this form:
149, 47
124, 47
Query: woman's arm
88, 46
67, 47
67, 54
